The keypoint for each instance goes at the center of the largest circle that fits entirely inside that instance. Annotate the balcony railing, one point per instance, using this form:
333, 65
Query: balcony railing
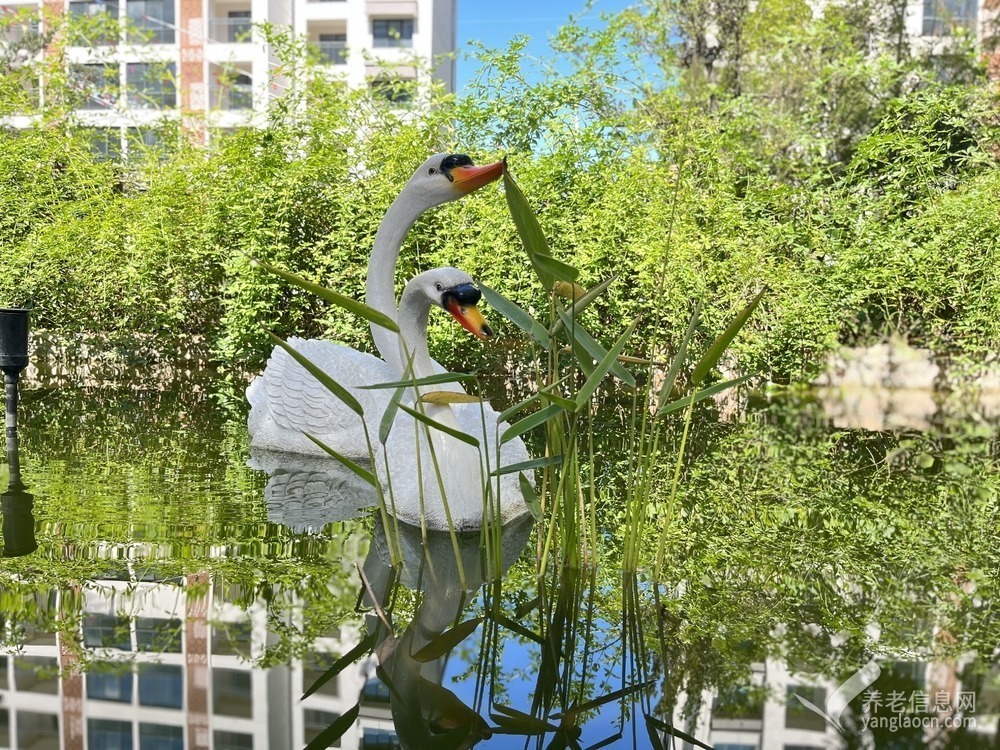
229, 30
238, 96
334, 53
18, 32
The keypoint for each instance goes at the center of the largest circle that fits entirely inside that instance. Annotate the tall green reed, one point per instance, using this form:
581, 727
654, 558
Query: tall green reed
560, 487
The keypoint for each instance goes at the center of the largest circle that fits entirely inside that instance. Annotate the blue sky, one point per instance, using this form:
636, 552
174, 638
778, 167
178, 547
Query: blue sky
495, 22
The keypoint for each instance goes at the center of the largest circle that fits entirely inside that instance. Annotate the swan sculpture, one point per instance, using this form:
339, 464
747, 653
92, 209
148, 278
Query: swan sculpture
287, 403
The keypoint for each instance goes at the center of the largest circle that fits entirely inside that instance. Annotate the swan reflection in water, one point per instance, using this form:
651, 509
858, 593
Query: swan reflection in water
306, 493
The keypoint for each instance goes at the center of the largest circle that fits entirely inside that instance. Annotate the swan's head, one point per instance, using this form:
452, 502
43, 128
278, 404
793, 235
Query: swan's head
453, 290
448, 177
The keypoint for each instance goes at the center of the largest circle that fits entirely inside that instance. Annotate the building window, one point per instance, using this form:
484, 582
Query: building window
232, 91
36, 674
234, 638
333, 48
393, 32
151, 85
154, 634
239, 26
3, 673
316, 721
232, 740
108, 734
4, 727
379, 739
151, 21
106, 686
160, 737
106, 144
393, 90
314, 667
38, 730
232, 693
738, 707
797, 716
375, 691
96, 23
161, 685
96, 85
107, 631
941, 17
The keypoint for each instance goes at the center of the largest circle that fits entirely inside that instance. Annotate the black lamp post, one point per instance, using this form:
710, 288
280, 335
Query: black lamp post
16, 503
13, 357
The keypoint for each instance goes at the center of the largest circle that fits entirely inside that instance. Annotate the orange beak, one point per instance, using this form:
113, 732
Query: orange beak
472, 178
470, 318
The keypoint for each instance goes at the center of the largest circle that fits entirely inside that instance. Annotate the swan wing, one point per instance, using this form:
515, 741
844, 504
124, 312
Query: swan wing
287, 401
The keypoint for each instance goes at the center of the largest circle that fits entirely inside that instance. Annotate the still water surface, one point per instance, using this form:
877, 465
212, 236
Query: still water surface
180, 598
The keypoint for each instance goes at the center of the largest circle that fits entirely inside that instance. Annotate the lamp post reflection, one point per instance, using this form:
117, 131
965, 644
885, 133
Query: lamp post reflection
17, 504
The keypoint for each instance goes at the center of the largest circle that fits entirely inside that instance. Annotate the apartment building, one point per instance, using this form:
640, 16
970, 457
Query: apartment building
210, 57
922, 699
172, 670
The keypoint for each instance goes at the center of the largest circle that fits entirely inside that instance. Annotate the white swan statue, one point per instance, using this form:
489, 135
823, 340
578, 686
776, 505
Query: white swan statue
287, 403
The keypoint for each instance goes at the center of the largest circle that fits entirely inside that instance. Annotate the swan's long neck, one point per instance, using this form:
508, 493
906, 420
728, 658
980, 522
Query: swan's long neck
414, 309
380, 287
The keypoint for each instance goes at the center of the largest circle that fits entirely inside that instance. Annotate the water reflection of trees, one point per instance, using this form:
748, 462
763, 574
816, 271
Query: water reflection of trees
794, 538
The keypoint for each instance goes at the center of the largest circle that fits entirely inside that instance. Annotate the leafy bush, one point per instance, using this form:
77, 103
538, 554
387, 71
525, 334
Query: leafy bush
866, 215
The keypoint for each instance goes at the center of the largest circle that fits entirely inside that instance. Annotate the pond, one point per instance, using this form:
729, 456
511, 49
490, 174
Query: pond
169, 595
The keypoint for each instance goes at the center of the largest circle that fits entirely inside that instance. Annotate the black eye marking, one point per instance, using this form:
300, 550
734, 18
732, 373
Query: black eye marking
453, 161
439, 287
432, 171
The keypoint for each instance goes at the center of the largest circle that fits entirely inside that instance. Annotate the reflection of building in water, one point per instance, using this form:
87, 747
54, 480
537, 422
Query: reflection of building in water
170, 667
766, 715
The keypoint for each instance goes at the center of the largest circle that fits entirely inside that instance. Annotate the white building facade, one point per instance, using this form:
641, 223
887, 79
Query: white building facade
211, 58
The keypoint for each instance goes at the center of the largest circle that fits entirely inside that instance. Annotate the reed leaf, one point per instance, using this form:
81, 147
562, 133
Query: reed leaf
329, 383
519, 317
519, 406
608, 698
701, 395
514, 625
353, 466
529, 422
530, 496
444, 377
553, 398
446, 641
457, 434
336, 298
561, 273
535, 463
389, 415
443, 398
652, 724
524, 724
569, 290
528, 228
589, 346
581, 304
678, 361
342, 663
717, 349
329, 736
603, 367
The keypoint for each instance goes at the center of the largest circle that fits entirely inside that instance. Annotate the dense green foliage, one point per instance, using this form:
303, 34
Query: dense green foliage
857, 186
